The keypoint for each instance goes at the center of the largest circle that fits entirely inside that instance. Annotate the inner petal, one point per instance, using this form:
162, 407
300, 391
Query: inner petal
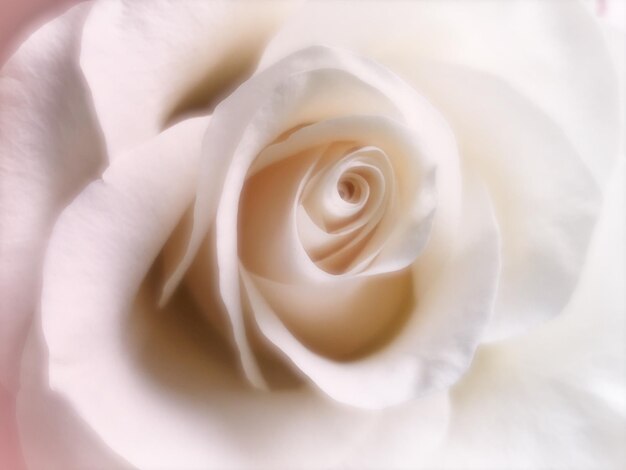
343, 320
342, 206
348, 190
293, 206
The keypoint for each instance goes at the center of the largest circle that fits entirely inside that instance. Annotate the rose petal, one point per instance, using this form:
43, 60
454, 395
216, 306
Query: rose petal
148, 61
50, 147
553, 52
403, 437
554, 398
356, 223
546, 200
343, 319
437, 344
51, 433
101, 249
188, 407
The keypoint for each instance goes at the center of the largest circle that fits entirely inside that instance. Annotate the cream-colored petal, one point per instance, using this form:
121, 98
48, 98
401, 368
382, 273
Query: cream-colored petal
342, 319
404, 437
554, 52
52, 434
435, 346
555, 398
546, 199
101, 248
148, 61
188, 406
50, 147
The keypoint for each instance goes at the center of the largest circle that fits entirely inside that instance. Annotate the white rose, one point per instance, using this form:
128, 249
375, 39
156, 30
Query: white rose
267, 235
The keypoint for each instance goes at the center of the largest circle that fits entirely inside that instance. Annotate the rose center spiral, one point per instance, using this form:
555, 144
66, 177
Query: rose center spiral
348, 190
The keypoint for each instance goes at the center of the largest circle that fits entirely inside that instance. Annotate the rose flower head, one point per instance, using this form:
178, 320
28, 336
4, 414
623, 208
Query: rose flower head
345, 234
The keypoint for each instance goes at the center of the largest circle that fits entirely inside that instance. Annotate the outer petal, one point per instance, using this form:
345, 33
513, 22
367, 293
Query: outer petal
41, 167
556, 398
101, 248
553, 52
50, 147
51, 434
546, 200
190, 408
147, 61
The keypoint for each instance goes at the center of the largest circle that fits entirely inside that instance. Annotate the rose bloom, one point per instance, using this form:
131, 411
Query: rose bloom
321, 235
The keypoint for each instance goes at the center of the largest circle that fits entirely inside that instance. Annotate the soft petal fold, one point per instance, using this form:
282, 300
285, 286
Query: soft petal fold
434, 347
100, 251
555, 398
149, 61
546, 200
50, 147
190, 408
51, 433
553, 52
